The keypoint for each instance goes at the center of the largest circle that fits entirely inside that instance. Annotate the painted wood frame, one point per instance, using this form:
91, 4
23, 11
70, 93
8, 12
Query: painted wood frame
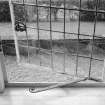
14, 32
2, 74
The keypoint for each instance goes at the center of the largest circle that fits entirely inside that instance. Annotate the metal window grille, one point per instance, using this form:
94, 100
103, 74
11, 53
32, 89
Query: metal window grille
21, 26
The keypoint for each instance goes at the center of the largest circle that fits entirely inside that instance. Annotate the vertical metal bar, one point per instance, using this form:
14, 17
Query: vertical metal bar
14, 32
38, 30
79, 23
95, 21
64, 35
28, 60
103, 73
51, 43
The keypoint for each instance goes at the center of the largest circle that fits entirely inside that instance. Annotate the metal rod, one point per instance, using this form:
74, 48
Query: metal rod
78, 40
38, 31
103, 72
51, 41
92, 41
28, 60
64, 69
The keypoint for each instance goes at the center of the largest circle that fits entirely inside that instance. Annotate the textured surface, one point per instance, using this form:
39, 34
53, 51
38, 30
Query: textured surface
59, 96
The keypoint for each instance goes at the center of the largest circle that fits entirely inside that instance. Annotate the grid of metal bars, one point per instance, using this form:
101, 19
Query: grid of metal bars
80, 9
